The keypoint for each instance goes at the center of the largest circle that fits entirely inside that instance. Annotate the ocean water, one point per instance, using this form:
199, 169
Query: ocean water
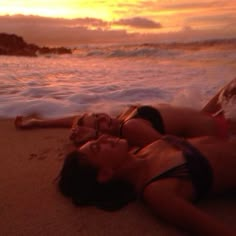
106, 78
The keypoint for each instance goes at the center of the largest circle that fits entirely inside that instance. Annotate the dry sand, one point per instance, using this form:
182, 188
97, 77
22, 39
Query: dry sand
31, 205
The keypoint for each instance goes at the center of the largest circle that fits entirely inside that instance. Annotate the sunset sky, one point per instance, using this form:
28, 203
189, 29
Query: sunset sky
70, 22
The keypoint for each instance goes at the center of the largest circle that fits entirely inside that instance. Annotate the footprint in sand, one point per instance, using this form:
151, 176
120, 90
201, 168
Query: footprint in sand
32, 156
40, 156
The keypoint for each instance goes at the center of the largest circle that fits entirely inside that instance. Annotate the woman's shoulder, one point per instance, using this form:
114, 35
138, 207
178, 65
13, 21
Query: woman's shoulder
127, 112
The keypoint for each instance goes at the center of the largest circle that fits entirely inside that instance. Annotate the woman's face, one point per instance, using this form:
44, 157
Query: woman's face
99, 121
106, 151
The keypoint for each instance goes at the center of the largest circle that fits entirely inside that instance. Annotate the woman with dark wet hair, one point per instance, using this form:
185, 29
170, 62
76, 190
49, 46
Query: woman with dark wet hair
77, 174
169, 175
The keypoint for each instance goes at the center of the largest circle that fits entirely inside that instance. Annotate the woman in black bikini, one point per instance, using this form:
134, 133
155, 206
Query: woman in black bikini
168, 175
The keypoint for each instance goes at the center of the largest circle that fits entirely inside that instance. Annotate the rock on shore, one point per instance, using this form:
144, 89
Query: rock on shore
14, 45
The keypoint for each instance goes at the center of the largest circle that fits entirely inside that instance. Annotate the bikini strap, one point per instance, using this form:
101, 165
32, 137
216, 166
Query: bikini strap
176, 171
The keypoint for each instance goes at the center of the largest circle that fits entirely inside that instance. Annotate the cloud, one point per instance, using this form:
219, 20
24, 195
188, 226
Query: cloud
39, 20
138, 22
188, 34
181, 5
191, 5
47, 31
230, 17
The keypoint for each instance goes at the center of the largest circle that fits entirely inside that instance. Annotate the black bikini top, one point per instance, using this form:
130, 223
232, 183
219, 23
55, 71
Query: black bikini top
150, 114
196, 167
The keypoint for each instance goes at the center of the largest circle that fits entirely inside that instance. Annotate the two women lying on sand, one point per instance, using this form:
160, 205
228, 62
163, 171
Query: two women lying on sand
169, 174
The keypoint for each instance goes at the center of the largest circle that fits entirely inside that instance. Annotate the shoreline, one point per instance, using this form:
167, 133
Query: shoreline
30, 203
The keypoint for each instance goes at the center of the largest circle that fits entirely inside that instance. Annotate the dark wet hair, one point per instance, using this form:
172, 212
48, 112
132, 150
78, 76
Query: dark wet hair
77, 180
80, 121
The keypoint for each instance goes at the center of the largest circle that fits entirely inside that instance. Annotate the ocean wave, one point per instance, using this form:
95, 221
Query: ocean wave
61, 86
152, 49
122, 52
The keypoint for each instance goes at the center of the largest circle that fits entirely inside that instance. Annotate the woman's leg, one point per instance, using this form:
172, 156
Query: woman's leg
214, 105
22, 123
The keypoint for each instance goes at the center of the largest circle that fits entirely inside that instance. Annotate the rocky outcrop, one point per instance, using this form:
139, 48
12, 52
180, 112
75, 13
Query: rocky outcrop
13, 45
59, 50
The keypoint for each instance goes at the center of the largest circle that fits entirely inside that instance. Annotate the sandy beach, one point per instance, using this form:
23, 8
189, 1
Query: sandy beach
30, 203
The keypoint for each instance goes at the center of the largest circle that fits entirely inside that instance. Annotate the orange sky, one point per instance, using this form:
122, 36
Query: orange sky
162, 19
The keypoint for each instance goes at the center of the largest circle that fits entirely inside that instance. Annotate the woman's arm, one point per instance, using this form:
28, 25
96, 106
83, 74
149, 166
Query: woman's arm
29, 123
180, 212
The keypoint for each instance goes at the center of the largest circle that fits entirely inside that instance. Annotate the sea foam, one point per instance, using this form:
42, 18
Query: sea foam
108, 78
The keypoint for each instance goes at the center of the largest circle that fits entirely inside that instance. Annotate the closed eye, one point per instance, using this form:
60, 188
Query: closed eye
111, 142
